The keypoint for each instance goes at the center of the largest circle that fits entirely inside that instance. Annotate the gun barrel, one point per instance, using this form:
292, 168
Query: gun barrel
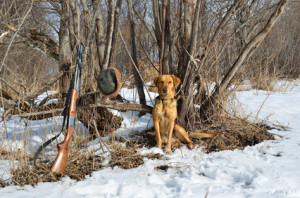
78, 67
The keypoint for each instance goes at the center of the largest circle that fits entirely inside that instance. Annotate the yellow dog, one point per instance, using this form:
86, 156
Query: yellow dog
164, 114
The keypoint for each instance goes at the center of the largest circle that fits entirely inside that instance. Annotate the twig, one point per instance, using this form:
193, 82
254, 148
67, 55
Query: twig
45, 88
144, 23
3, 34
15, 34
148, 56
100, 140
4, 113
261, 106
17, 78
206, 195
8, 84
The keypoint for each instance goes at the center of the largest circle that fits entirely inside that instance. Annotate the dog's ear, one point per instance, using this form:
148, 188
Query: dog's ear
176, 81
156, 80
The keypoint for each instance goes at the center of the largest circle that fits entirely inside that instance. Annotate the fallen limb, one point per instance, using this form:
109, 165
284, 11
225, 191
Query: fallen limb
39, 41
122, 106
25, 115
104, 104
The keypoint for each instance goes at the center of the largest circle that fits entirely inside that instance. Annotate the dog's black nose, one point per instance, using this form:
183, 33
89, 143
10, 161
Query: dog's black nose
165, 90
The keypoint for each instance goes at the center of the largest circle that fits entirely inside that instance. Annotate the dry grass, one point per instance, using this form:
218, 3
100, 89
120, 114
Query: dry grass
266, 84
233, 134
128, 157
78, 167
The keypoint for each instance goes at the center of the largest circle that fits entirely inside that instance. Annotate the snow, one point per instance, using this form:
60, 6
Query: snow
40, 98
269, 169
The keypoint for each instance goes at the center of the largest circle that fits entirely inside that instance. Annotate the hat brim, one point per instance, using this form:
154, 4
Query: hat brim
118, 86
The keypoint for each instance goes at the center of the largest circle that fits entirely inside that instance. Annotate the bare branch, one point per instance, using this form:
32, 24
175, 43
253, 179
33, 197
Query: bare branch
13, 38
145, 25
249, 47
10, 86
50, 48
148, 56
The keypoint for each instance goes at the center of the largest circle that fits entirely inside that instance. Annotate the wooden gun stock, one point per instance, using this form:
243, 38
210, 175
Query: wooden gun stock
60, 162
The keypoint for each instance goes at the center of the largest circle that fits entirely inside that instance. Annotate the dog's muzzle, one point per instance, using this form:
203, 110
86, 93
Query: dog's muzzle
165, 90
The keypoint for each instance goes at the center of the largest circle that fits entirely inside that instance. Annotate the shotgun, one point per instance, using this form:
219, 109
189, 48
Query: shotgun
60, 162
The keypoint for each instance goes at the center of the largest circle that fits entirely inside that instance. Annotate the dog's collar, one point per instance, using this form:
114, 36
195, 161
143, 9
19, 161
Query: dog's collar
163, 99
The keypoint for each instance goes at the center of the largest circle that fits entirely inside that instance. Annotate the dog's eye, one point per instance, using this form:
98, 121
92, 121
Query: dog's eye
162, 82
170, 82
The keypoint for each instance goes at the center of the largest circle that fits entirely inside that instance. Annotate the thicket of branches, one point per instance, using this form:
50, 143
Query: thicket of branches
204, 42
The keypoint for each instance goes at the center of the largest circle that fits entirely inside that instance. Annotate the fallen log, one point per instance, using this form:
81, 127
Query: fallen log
121, 106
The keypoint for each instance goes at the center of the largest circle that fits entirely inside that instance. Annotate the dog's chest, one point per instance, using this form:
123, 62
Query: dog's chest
166, 109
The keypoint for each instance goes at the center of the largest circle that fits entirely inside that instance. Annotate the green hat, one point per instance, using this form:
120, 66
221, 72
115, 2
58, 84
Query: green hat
109, 82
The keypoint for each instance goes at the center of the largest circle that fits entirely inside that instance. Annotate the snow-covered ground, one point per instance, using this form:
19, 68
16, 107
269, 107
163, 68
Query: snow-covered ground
269, 169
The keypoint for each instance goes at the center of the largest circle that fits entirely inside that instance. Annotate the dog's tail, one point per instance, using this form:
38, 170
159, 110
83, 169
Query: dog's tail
202, 135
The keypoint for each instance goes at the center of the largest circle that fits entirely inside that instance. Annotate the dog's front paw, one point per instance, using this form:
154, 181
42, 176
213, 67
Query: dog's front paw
168, 151
190, 145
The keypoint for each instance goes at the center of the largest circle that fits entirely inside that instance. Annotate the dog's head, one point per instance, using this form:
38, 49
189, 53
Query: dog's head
166, 85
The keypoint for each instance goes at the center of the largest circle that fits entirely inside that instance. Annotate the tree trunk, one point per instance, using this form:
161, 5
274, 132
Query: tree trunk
64, 57
138, 80
109, 34
163, 68
185, 105
166, 39
100, 37
88, 26
114, 35
157, 23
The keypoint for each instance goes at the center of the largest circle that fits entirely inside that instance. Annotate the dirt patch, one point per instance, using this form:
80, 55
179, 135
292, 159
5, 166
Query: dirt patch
163, 168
